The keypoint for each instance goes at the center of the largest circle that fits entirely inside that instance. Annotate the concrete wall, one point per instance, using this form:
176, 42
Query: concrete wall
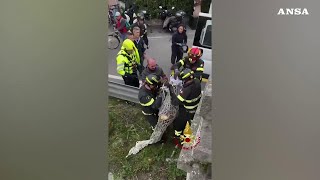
190, 160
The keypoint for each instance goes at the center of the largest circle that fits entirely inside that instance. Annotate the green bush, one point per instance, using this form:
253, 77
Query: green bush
205, 5
152, 6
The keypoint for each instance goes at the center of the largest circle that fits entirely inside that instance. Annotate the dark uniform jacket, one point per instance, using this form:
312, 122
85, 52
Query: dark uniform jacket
179, 38
140, 46
197, 67
149, 101
189, 96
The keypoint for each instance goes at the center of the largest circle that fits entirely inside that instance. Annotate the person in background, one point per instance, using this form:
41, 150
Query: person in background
153, 68
121, 25
139, 22
130, 35
178, 37
132, 38
139, 43
130, 11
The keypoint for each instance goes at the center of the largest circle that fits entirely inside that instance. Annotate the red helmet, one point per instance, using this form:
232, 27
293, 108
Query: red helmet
194, 54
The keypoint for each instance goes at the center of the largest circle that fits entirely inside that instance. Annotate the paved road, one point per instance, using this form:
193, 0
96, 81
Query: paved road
159, 48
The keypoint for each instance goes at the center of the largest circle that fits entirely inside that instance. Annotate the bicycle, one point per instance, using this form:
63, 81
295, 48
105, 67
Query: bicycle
114, 40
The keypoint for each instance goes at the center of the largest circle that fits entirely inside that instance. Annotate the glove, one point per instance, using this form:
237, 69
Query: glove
176, 74
134, 65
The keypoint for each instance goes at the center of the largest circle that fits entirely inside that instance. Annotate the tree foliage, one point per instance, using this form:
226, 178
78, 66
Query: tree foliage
152, 6
205, 5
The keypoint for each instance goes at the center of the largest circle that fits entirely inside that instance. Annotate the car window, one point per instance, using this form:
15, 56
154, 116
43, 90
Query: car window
203, 32
207, 36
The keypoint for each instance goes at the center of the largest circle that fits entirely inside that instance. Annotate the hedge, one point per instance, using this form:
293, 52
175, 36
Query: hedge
152, 6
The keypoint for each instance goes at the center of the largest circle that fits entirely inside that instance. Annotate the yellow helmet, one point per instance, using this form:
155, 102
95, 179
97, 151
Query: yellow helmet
128, 45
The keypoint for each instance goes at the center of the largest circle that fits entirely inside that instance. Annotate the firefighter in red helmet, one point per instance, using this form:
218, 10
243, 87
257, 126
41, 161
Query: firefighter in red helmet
193, 61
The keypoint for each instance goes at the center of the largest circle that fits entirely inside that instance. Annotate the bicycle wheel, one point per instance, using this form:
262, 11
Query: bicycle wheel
113, 42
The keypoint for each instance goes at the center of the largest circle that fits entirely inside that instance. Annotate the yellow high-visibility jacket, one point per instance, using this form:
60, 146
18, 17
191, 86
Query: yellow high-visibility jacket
125, 62
137, 54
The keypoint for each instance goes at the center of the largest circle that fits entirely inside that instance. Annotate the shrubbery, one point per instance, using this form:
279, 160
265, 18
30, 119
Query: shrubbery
152, 6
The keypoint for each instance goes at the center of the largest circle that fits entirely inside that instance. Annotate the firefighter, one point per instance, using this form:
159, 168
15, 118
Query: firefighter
187, 100
127, 63
193, 61
148, 99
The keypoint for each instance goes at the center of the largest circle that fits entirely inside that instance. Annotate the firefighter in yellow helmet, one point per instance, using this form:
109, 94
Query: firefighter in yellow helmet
188, 100
149, 99
127, 63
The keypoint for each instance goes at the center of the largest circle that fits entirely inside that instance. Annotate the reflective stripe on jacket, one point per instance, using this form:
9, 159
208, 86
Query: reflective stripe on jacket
125, 62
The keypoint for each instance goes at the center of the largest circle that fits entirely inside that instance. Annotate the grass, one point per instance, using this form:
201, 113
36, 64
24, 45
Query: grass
126, 126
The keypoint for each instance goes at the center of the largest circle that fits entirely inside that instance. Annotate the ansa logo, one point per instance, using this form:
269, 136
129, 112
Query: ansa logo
293, 11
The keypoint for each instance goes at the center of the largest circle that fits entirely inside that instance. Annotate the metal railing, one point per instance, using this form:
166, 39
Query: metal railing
122, 91
129, 93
